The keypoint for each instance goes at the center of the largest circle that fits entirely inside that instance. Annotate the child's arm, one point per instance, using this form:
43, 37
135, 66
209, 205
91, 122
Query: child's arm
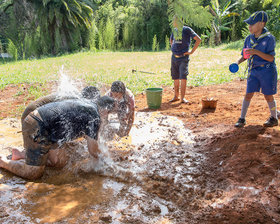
130, 120
197, 42
264, 56
126, 121
20, 168
93, 147
240, 60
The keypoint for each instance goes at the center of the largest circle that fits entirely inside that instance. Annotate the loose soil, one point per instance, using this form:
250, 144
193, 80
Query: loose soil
238, 179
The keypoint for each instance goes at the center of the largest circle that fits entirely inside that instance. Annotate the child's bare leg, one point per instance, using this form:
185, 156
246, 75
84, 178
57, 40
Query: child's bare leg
269, 98
248, 96
56, 158
176, 90
183, 91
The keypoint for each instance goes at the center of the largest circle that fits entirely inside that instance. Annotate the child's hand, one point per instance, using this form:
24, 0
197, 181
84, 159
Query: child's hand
252, 51
188, 53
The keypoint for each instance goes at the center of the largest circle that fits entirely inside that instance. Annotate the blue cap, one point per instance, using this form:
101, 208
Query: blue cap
234, 67
259, 16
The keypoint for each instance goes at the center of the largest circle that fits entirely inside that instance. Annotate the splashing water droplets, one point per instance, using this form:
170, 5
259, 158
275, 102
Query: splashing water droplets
67, 87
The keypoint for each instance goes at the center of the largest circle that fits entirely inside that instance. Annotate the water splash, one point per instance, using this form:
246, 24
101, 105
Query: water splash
67, 87
154, 140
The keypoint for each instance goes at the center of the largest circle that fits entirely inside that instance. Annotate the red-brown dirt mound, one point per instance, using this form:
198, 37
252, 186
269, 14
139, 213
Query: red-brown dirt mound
241, 166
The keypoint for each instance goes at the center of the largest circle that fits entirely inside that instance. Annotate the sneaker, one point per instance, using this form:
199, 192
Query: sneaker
240, 123
271, 122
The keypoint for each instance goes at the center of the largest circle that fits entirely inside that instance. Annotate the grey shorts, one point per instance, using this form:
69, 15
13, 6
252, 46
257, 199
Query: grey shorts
179, 68
36, 152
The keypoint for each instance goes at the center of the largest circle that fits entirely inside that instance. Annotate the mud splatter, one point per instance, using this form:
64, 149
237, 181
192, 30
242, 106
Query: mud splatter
233, 175
112, 190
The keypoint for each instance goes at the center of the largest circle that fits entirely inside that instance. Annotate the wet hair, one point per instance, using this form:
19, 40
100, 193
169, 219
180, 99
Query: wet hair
118, 87
106, 102
90, 93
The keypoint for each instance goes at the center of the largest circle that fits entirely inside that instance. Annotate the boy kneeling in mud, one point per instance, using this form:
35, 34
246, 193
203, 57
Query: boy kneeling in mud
50, 126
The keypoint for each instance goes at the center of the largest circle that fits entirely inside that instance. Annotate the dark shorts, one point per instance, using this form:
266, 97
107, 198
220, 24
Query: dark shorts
179, 67
264, 79
36, 150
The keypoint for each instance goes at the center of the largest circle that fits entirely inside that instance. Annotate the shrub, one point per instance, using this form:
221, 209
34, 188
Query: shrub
12, 50
167, 43
154, 45
236, 45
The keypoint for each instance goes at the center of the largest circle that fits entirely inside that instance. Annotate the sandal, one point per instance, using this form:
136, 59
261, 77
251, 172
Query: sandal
174, 100
185, 101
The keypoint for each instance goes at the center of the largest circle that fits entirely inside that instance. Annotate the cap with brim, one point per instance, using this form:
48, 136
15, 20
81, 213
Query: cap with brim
259, 16
249, 21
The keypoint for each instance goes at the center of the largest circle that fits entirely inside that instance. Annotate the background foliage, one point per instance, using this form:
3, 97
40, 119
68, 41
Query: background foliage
36, 28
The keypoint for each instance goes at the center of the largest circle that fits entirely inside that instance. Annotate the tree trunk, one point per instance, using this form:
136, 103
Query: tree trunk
51, 29
64, 40
218, 38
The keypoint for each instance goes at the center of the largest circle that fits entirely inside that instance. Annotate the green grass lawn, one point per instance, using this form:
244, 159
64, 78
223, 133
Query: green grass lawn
207, 66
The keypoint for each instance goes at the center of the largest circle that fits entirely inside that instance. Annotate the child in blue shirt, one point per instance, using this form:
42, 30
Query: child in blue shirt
180, 41
262, 73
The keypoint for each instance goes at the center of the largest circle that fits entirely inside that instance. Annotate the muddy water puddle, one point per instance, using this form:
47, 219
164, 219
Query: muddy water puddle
113, 190
10, 134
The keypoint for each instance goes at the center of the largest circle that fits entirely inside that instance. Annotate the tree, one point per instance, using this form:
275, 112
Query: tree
221, 13
17, 20
189, 12
61, 16
109, 35
93, 31
274, 21
273, 2
155, 44
58, 20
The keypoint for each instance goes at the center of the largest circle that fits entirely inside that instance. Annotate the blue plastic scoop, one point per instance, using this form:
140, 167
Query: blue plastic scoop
234, 68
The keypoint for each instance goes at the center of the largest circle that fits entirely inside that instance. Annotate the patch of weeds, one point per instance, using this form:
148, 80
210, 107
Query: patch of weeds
27, 98
236, 45
35, 91
20, 91
19, 110
198, 79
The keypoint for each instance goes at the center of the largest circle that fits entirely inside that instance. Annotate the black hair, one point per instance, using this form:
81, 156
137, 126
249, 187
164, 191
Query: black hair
118, 86
106, 102
90, 93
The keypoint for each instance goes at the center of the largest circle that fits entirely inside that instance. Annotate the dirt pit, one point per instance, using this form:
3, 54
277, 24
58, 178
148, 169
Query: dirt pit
180, 164
116, 189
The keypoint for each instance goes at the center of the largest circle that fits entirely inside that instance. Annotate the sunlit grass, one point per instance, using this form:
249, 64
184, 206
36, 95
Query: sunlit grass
207, 66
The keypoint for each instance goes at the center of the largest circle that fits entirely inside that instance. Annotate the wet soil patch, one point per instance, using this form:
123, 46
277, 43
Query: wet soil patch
223, 175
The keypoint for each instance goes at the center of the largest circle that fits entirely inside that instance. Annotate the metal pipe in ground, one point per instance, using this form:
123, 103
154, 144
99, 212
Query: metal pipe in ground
134, 70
